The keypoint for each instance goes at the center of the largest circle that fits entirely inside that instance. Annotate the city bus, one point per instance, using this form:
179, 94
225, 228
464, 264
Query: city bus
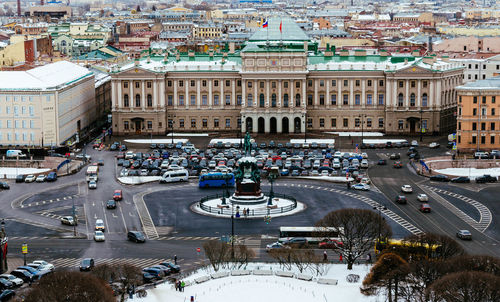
216, 180
407, 249
91, 172
311, 234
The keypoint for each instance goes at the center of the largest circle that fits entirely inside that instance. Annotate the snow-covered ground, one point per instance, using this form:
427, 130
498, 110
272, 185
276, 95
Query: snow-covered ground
136, 180
383, 141
157, 141
226, 140
251, 288
472, 173
329, 178
12, 172
367, 134
313, 140
187, 134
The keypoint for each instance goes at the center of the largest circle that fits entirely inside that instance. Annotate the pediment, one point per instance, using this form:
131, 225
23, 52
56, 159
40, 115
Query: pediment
413, 69
136, 71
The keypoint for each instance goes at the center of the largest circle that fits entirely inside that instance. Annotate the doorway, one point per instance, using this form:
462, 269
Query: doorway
284, 125
138, 127
296, 125
273, 125
261, 125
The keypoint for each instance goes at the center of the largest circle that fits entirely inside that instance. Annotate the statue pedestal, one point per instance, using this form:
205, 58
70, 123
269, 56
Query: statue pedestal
248, 188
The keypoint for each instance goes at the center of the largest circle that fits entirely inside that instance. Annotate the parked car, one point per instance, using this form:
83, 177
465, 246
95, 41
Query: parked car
52, 176
401, 199
22, 274
68, 220
47, 265
136, 236
30, 178
4, 185
6, 284
461, 179
111, 204
147, 277
406, 189
15, 280
87, 264
481, 155
414, 143
425, 208
485, 178
7, 295
464, 235
395, 156
422, 197
439, 177
156, 272
20, 178
165, 270
173, 267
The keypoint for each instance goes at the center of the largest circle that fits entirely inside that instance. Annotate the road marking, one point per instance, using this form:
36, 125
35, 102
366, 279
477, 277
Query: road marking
146, 220
114, 216
140, 262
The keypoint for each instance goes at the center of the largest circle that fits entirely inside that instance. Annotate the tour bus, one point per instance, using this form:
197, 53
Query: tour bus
175, 176
417, 250
311, 234
92, 172
216, 180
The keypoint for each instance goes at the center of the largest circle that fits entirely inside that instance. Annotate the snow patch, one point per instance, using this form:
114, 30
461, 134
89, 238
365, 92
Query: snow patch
136, 180
329, 178
472, 173
383, 141
315, 140
366, 134
157, 141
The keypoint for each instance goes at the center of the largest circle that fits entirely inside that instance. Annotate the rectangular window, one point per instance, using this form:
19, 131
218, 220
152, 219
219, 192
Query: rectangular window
381, 83
334, 83
32, 136
204, 83
9, 136
483, 139
321, 122
483, 111
474, 126
401, 84
204, 100
228, 123
381, 123
25, 136
357, 122
193, 83
474, 140
125, 125
16, 111
309, 83
369, 83
424, 84
16, 124
23, 110
239, 123
137, 84
492, 111
424, 124
125, 84
238, 100
31, 110
334, 123
7, 110
32, 124
228, 99
193, 100
322, 83
249, 84
170, 100
17, 136
309, 99
261, 84
357, 99
474, 111
273, 85
181, 123
357, 83
484, 100
322, 99
228, 83
216, 99
346, 83
150, 125
249, 100
238, 83
400, 124
381, 99
492, 126
181, 100
493, 99
459, 126
483, 126
24, 124
216, 123
181, 83
333, 99
285, 84
369, 100
474, 100
412, 84
148, 84
169, 83
346, 99
492, 139
216, 83
346, 123
193, 123
204, 123
297, 84
369, 122
309, 123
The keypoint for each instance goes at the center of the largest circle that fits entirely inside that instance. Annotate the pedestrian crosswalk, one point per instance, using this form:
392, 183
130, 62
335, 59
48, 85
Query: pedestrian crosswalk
139, 262
49, 201
25, 238
200, 238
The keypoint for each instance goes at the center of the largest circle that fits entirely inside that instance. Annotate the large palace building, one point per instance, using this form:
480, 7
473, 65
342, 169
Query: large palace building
281, 83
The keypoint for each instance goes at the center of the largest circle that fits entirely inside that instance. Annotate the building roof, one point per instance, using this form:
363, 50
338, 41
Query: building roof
291, 31
47, 77
488, 84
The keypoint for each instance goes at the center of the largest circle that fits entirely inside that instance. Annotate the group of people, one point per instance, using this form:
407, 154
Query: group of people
246, 212
179, 285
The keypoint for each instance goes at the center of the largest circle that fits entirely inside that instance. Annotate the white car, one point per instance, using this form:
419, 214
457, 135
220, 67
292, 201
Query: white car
406, 189
366, 180
422, 197
47, 265
99, 225
40, 178
433, 145
414, 143
129, 155
13, 279
30, 178
99, 236
92, 184
364, 155
324, 173
362, 187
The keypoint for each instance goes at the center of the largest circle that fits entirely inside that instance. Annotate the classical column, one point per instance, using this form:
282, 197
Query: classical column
198, 94
279, 123
210, 93
162, 94
395, 92
267, 93
328, 97
256, 100
243, 95
113, 94
431, 93
375, 95
304, 95
419, 102
438, 100
233, 93
316, 86
363, 94
131, 97
222, 96
155, 95
407, 94
186, 96
143, 95
255, 123
291, 127
340, 97
175, 93
267, 124
279, 94
351, 94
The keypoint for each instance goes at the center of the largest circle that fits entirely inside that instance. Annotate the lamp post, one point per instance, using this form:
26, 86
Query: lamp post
421, 125
305, 128
171, 124
74, 217
273, 174
380, 218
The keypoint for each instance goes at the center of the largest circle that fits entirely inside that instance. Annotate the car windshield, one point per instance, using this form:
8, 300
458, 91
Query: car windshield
86, 262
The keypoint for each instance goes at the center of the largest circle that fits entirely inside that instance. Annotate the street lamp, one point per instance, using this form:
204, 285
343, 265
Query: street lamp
379, 210
171, 125
421, 125
305, 128
273, 174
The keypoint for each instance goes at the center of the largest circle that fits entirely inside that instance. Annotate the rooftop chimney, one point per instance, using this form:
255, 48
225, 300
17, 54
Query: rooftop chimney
19, 8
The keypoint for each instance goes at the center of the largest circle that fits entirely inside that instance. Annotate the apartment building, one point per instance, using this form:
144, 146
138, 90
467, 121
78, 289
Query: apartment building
45, 106
478, 120
282, 85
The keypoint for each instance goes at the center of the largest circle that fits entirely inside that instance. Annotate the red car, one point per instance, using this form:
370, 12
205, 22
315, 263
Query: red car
117, 195
398, 165
425, 208
329, 244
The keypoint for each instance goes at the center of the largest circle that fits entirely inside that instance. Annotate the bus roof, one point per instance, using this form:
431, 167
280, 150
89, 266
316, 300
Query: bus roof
306, 229
92, 169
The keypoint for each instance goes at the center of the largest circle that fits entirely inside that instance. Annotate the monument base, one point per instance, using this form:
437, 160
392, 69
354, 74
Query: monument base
248, 200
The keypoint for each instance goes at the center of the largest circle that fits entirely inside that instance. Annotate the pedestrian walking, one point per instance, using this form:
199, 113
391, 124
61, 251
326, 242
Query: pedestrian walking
340, 258
175, 259
248, 211
182, 286
245, 212
369, 258
325, 256
175, 285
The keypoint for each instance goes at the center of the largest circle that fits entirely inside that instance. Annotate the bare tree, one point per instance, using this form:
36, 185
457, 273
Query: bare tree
466, 286
125, 275
485, 264
68, 286
358, 230
436, 245
389, 272
283, 256
242, 254
217, 253
302, 258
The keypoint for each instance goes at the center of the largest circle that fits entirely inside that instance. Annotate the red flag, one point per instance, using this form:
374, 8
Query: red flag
281, 23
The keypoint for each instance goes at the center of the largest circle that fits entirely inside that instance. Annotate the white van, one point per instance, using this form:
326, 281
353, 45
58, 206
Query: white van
175, 176
15, 153
336, 163
364, 163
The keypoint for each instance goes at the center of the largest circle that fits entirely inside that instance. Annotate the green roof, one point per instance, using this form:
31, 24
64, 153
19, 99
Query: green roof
320, 59
199, 57
291, 31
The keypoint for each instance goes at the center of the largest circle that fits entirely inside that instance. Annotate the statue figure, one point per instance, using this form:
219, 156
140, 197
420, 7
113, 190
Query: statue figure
247, 144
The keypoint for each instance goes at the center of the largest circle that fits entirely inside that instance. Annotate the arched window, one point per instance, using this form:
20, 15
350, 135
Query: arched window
125, 101
261, 100
297, 99
63, 43
285, 100
137, 100
400, 100
424, 100
273, 100
412, 100
150, 100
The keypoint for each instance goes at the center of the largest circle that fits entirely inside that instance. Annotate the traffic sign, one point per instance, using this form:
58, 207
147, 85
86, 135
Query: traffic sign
198, 249
24, 248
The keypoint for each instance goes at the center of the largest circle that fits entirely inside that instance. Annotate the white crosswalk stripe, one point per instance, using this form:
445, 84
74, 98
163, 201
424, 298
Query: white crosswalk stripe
140, 262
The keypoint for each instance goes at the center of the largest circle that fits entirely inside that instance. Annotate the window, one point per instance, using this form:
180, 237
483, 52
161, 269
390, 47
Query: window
7, 110
322, 99
285, 100
346, 83
150, 100
493, 111
400, 100
32, 136
204, 83
369, 122
412, 100
238, 83
483, 139
16, 124
249, 100
216, 123
148, 84
483, 111
309, 123
321, 83
204, 123
357, 83
297, 84
369, 100
483, 126
285, 84
181, 123
125, 84
346, 123
474, 100
424, 124
474, 126
473, 139
16, 111
400, 124
249, 84
346, 99
32, 124
216, 100
150, 125
357, 99
261, 100
228, 83
309, 83
273, 84
239, 123
334, 123
424, 84
401, 84
125, 125
193, 123
238, 100
125, 101
381, 99
369, 83
474, 111
459, 126
137, 84
169, 83
492, 139
309, 99
273, 100
297, 100
493, 100
321, 122
216, 83
357, 122
484, 100
193, 100
261, 84
333, 99
228, 123
412, 83
424, 100
181, 83
137, 100
381, 83
381, 123
492, 126
181, 100
170, 100
334, 83
24, 124
204, 100
23, 110
228, 99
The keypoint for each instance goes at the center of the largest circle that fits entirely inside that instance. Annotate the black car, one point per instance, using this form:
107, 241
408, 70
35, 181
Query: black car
113, 147
136, 236
7, 295
173, 267
411, 150
485, 178
111, 204
461, 179
415, 156
395, 156
4, 185
439, 177
297, 242
382, 162
147, 277
22, 274
401, 199
87, 264
5, 284
155, 272
20, 178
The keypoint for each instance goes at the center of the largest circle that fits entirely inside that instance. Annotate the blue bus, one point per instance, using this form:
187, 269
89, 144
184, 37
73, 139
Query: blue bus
216, 180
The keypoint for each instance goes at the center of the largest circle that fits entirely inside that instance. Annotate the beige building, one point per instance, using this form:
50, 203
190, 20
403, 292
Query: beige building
47, 105
275, 86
